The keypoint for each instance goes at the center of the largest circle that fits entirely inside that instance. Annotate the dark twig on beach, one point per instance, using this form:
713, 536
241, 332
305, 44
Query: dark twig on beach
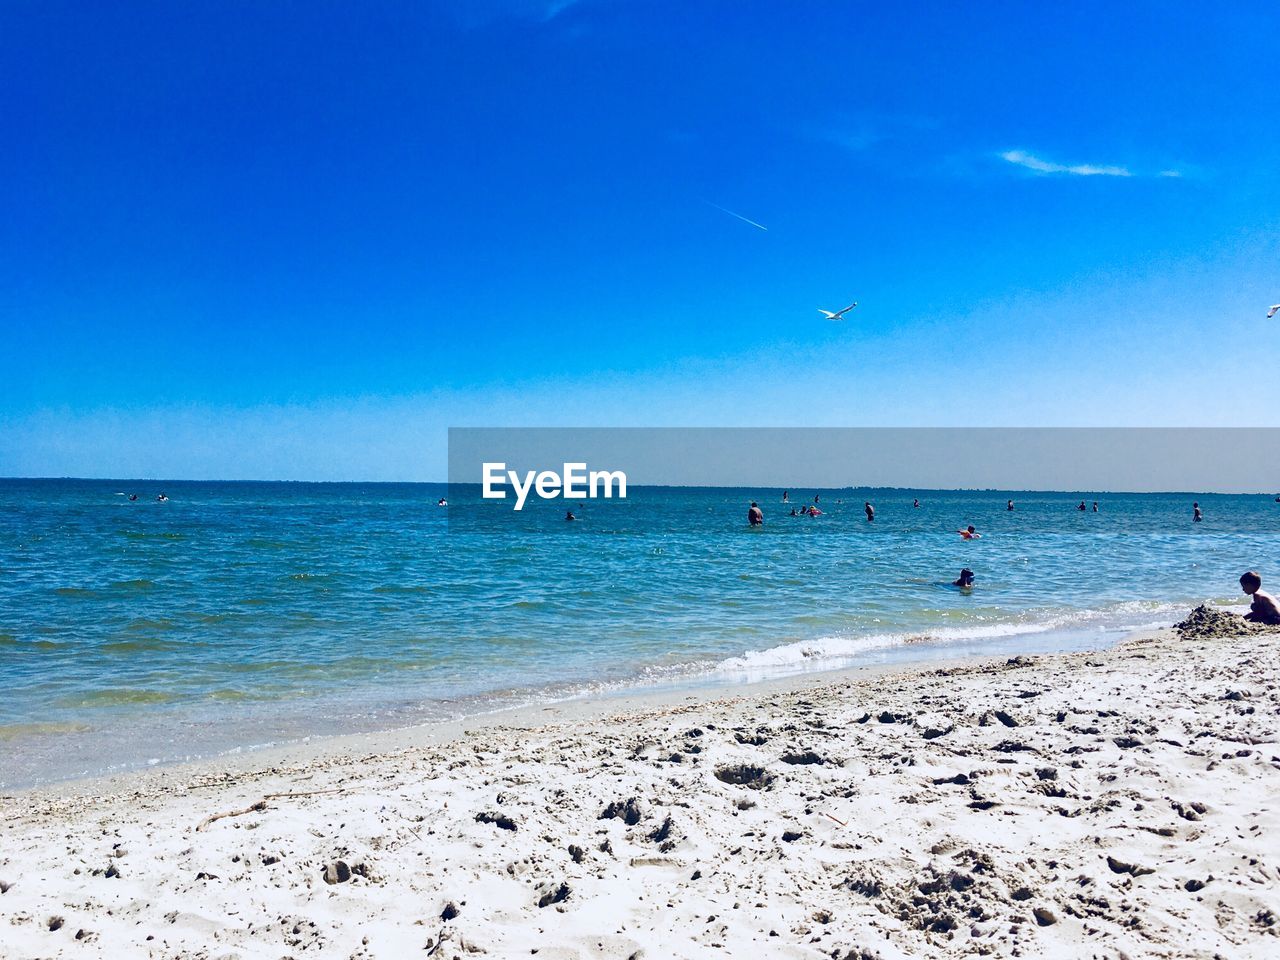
303, 793
261, 805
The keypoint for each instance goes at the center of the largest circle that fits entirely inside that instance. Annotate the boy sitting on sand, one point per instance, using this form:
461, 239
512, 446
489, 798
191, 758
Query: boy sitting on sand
1264, 608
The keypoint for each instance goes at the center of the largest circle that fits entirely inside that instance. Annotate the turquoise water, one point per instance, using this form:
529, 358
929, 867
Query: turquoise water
239, 614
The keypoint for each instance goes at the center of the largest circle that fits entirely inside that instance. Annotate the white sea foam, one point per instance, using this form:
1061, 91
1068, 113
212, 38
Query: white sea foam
829, 652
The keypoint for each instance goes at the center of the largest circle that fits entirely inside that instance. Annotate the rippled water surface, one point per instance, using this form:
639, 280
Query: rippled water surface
237, 614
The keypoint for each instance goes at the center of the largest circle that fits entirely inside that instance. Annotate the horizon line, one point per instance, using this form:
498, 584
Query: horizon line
658, 486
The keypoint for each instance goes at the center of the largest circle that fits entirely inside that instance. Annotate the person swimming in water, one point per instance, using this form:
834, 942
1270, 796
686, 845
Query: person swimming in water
1082, 507
916, 503
1196, 514
442, 502
1095, 506
568, 515
969, 533
793, 512
133, 496
786, 496
1264, 608
869, 510
163, 497
755, 516
965, 581
1009, 506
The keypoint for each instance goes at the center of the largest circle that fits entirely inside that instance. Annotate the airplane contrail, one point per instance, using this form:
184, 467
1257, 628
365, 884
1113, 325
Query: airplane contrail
759, 226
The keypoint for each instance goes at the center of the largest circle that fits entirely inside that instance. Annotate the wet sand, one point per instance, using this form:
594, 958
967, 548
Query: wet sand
1118, 803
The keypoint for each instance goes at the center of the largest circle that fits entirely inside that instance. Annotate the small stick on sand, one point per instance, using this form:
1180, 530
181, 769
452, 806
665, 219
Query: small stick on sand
842, 823
259, 806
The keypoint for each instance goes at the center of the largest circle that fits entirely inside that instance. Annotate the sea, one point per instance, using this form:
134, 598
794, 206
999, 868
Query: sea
235, 615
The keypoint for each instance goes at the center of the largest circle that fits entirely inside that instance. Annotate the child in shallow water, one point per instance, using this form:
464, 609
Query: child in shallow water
1264, 608
966, 580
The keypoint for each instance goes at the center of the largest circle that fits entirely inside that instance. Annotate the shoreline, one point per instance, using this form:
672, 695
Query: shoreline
577, 709
1109, 802
632, 694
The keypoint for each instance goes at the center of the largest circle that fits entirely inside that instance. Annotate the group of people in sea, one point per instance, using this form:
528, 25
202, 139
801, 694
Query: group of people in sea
755, 516
161, 497
809, 511
1263, 607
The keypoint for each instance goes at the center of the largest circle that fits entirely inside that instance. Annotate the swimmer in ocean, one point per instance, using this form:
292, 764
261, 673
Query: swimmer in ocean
1196, 515
969, 533
870, 511
568, 515
1010, 506
916, 503
965, 581
755, 516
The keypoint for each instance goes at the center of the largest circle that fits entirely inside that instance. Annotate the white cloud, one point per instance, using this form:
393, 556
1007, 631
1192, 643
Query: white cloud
1023, 159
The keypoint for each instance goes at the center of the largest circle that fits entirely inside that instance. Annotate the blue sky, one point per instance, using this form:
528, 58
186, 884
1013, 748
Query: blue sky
301, 240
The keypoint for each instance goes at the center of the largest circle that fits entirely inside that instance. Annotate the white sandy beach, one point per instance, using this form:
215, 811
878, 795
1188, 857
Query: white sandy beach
1116, 804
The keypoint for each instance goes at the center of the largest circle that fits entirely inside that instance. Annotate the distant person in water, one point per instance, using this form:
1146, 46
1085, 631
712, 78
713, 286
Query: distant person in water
163, 497
1196, 515
442, 502
568, 515
969, 533
869, 510
965, 582
1082, 507
133, 496
916, 503
815, 497
793, 512
785, 496
755, 516
1095, 506
1264, 608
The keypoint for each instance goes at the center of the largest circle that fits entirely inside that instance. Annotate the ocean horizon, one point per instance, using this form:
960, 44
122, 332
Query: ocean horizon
245, 613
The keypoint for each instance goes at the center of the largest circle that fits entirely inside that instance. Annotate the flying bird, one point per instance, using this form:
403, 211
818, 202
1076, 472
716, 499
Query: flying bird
1275, 308
839, 314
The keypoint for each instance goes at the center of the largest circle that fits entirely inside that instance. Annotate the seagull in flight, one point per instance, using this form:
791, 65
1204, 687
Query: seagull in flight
839, 314
1275, 308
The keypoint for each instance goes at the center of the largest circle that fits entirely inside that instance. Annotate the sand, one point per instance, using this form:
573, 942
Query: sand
1115, 804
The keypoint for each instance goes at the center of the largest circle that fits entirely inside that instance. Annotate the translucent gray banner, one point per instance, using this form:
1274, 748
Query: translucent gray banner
529, 476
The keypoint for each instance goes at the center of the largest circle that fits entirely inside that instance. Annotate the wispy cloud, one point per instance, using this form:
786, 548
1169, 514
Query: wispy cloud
473, 14
1031, 162
861, 132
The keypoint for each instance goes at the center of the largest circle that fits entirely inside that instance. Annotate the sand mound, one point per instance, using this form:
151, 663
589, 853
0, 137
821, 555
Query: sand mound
1206, 623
